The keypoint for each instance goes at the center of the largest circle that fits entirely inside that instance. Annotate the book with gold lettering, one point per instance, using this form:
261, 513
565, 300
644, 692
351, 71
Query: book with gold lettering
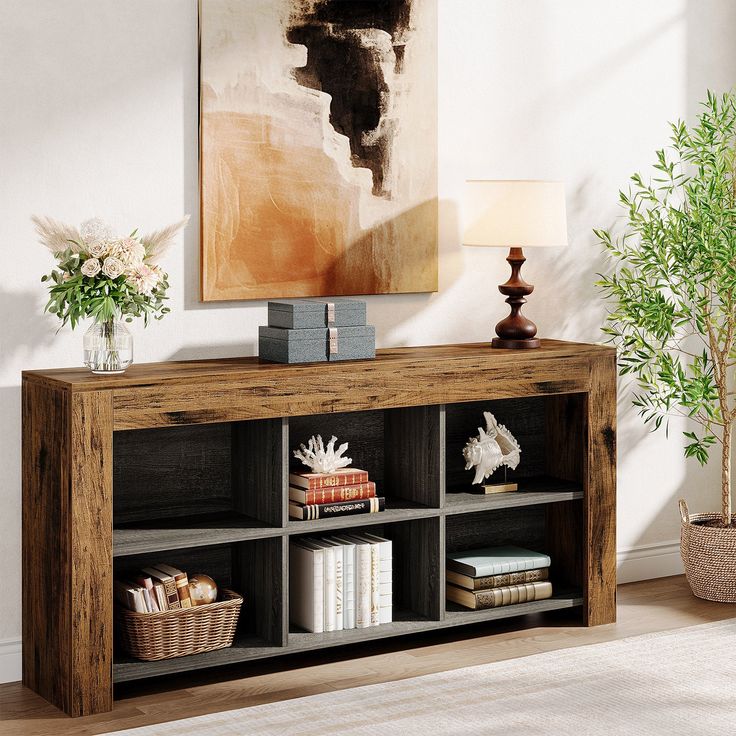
341, 477
158, 576
508, 595
342, 508
182, 583
497, 581
334, 494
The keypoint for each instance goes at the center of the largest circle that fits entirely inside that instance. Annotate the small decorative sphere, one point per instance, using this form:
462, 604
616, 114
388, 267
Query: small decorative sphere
202, 589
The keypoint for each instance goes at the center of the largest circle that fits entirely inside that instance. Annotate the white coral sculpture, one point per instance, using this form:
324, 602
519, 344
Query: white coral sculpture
493, 447
321, 459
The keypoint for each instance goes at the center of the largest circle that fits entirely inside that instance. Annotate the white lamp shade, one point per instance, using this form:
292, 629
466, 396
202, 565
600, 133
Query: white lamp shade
515, 214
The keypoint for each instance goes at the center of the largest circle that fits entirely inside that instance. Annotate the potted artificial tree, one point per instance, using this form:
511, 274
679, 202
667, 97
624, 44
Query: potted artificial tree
672, 289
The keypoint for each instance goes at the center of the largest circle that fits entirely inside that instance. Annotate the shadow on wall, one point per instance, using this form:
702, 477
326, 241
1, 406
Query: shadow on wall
566, 278
390, 310
386, 311
25, 328
390, 314
244, 349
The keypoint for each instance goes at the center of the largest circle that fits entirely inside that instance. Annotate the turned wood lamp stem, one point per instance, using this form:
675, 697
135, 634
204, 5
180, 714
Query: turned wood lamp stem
516, 331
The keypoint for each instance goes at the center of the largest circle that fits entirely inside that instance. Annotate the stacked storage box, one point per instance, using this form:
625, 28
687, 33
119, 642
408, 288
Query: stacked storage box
313, 330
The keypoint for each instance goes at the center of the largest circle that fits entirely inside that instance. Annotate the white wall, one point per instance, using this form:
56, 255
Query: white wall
99, 117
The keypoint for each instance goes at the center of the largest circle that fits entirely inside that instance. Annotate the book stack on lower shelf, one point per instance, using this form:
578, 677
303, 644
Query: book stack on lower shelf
340, 582
345, 492
497, 576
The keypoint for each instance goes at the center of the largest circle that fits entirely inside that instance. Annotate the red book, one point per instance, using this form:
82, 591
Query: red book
331, 495
316, 481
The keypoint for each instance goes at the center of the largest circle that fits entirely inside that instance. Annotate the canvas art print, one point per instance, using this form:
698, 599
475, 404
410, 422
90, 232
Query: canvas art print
318, 147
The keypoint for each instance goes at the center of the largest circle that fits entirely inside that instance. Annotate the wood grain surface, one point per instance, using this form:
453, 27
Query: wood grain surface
224, 480
600, 495
67, 547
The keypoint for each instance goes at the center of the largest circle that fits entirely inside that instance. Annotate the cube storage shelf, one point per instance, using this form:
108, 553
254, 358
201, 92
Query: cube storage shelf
189, 463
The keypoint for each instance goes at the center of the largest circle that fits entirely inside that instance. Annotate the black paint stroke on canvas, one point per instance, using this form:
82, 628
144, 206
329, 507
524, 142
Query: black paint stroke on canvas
347, 49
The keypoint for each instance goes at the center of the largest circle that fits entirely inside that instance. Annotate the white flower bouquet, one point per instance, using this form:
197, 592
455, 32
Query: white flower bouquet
102, 276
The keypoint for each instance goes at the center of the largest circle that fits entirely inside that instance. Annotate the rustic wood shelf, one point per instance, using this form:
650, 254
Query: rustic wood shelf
176, 534
246, 649
188, 463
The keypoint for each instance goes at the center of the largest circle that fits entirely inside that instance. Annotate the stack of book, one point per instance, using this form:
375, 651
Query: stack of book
154, 589
340, 582
497, 576
324, 495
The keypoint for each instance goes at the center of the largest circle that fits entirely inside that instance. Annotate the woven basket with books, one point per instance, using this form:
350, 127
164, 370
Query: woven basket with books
182, 631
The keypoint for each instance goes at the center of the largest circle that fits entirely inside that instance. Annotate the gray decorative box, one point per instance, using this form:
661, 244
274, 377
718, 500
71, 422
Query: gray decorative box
316, 345
301, 314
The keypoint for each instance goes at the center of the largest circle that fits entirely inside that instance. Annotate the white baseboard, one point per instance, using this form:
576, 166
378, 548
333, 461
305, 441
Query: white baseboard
649, 561
644, 562
10, 667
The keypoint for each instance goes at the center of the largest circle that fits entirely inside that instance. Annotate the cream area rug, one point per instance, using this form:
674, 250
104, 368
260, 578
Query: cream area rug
676, 682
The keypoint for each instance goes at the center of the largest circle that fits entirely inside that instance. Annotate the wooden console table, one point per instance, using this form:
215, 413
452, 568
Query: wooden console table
187, 463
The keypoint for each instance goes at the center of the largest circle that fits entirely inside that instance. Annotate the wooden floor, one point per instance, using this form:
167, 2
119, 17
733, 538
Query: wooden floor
644, 607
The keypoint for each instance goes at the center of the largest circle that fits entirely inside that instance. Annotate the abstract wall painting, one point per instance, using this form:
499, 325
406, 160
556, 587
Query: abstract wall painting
318, 147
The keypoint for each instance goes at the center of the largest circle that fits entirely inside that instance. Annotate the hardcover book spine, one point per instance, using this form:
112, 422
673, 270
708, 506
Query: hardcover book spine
513, 594
147, 585
375, 584
172, 597
329, 510
339, 587
497, 581
385, 592
316, 481
182, 590
160, 592
306, 594
348, 578
319, 592
333, 495
363, 586
329, 588
349, 585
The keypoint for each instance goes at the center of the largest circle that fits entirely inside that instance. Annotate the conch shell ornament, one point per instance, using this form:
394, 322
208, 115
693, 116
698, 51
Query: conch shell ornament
493, 447
321, 459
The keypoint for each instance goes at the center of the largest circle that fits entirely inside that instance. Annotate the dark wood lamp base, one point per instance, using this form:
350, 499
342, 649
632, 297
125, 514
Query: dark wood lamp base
516, 332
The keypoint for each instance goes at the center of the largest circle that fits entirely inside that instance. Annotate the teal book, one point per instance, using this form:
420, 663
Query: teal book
495, 561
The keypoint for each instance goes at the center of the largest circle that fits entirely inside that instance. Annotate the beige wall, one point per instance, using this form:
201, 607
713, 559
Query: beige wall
99, 117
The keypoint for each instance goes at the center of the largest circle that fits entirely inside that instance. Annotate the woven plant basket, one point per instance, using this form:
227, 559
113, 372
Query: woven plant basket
168, 634
709, 556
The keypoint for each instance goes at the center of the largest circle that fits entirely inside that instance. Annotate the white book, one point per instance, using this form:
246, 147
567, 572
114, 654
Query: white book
348, 581
385, 578
160, 593
386, 548
329, 584
338, 551
375, 576
139, 600
363, 556
147, 599
306, 586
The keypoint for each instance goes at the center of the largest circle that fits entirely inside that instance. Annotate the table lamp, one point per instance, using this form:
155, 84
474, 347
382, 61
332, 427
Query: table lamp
515, 215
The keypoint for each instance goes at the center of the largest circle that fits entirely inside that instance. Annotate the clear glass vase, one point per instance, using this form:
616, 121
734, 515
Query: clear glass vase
108, 347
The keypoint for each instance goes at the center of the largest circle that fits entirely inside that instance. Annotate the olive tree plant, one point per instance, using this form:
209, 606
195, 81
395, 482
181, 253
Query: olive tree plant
671, 285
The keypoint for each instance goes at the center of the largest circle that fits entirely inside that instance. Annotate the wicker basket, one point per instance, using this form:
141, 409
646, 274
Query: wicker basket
709, 556
168, 634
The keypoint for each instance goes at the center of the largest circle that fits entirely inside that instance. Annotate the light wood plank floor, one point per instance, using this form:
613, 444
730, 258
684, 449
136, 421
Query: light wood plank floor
644, 607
